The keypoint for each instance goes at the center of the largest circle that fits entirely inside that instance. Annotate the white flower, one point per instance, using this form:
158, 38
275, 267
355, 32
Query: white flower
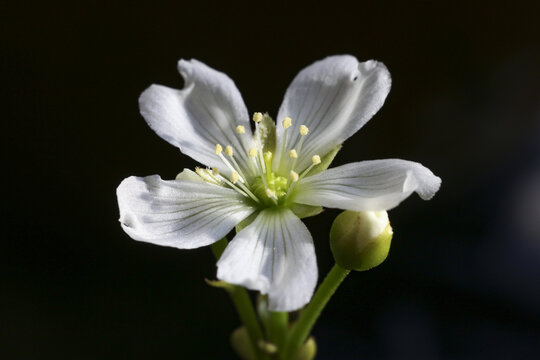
273, 176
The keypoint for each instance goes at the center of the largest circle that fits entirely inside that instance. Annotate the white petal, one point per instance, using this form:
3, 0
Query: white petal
334, 98
179, 213
203, 114
275, 255
368, 185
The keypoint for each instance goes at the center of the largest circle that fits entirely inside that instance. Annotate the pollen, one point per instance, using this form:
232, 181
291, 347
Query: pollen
229, 150
219, 149
240, 129
257, 117
252, 152
235, 177
287, 122
293, 154
316, 159
215, 171
294, 176
303, 130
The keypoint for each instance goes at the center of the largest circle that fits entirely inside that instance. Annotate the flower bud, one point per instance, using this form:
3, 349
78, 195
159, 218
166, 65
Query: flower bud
241, 344
308, 350
360, 240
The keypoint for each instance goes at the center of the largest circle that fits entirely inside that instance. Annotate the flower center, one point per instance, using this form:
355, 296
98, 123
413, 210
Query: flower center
262, 185
275, 184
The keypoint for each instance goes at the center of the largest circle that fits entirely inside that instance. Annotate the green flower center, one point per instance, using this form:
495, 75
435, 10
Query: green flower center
276, 183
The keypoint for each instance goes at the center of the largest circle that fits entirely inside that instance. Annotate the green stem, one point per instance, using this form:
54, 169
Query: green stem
303, 326
244, 307
278, 325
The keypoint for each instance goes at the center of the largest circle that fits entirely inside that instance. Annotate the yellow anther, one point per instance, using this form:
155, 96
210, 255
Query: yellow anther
287, 122
215, 171
303, 130
294, 176
206, 175
219, 149
257, 117
267, 156
316, 159
293, 154
229, 150
235, 177
270, 193
240, 129
252, 152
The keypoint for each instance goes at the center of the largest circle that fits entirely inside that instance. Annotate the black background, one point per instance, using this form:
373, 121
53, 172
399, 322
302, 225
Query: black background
462, 277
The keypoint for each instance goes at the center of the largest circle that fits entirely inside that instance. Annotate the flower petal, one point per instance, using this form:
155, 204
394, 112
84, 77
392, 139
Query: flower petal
368, 185
333, 97
205, 113
275, 255
178, 213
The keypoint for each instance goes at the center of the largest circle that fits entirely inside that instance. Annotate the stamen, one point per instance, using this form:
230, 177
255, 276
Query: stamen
315, 160
251, 195
234, 187
294, 176
229, 151
252, 152
287, 122
207, 176
216, 178
240, 129
303, 132
235, 177
257, 117
218, 149
293, 154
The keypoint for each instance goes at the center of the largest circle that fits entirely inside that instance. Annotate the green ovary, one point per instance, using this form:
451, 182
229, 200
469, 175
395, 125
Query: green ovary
275, 183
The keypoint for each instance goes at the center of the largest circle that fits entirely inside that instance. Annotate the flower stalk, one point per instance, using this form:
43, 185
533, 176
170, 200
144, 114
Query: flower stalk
302, 328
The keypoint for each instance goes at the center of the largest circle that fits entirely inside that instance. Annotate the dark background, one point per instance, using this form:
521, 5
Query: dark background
462, 277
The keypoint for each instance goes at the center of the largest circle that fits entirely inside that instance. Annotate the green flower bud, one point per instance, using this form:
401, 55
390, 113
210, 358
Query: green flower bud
241, 345
308, 350
360, 240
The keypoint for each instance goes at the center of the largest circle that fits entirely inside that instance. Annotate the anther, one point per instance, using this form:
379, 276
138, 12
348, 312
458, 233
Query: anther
294, 176
229, 150
240, 129
257, 117
287, 122
293, 154
303, 130
235, 177
252, 152
315, 160
219, 149
271, 193
267, 156
215, 171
